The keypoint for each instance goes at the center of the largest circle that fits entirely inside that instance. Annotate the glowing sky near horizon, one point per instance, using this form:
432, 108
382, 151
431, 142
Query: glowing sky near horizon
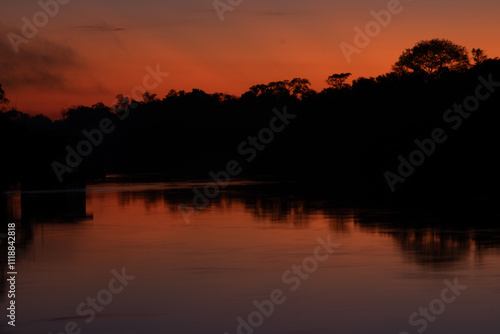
93, 50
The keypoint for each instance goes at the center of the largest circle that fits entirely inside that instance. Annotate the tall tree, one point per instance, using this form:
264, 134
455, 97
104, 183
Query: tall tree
299, 87
3, 99
433, 57
479, 55
337, 81
148, 97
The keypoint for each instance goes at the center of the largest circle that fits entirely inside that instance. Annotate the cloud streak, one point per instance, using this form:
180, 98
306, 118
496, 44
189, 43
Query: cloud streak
99, 28
43, 65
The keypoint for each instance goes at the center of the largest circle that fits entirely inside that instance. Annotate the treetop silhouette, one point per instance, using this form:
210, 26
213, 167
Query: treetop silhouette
479, 56
296, 87
3, 99
337, 81
432, 58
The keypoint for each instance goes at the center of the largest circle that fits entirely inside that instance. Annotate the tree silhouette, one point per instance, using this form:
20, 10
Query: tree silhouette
432, 58
299, 87
278, 88
479, 56
3, 99
337, 81
272, 88
296, 87
149, 97
122, 103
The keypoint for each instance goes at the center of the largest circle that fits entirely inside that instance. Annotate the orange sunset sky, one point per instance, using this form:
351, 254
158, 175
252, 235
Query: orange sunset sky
92, 50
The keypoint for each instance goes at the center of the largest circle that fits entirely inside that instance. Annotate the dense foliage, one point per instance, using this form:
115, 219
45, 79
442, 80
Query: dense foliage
346, 136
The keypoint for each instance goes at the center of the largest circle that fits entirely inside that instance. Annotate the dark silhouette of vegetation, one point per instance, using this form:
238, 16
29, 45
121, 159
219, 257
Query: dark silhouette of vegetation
296, 87
337, 81
432, 58
3, 99
344, 137
479, 56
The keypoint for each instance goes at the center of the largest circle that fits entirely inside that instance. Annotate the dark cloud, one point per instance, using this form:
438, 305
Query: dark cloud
99, 28
41, 64
38, 63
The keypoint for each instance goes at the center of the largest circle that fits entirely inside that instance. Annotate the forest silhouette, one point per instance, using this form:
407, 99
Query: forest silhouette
344, 138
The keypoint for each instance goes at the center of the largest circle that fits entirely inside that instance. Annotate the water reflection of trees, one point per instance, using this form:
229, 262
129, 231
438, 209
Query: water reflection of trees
28, 208
438, 234
265, 205
435, 234
56, 207
433, 246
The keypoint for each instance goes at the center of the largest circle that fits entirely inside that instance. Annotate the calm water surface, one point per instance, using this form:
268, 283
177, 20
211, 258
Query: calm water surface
201, 276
